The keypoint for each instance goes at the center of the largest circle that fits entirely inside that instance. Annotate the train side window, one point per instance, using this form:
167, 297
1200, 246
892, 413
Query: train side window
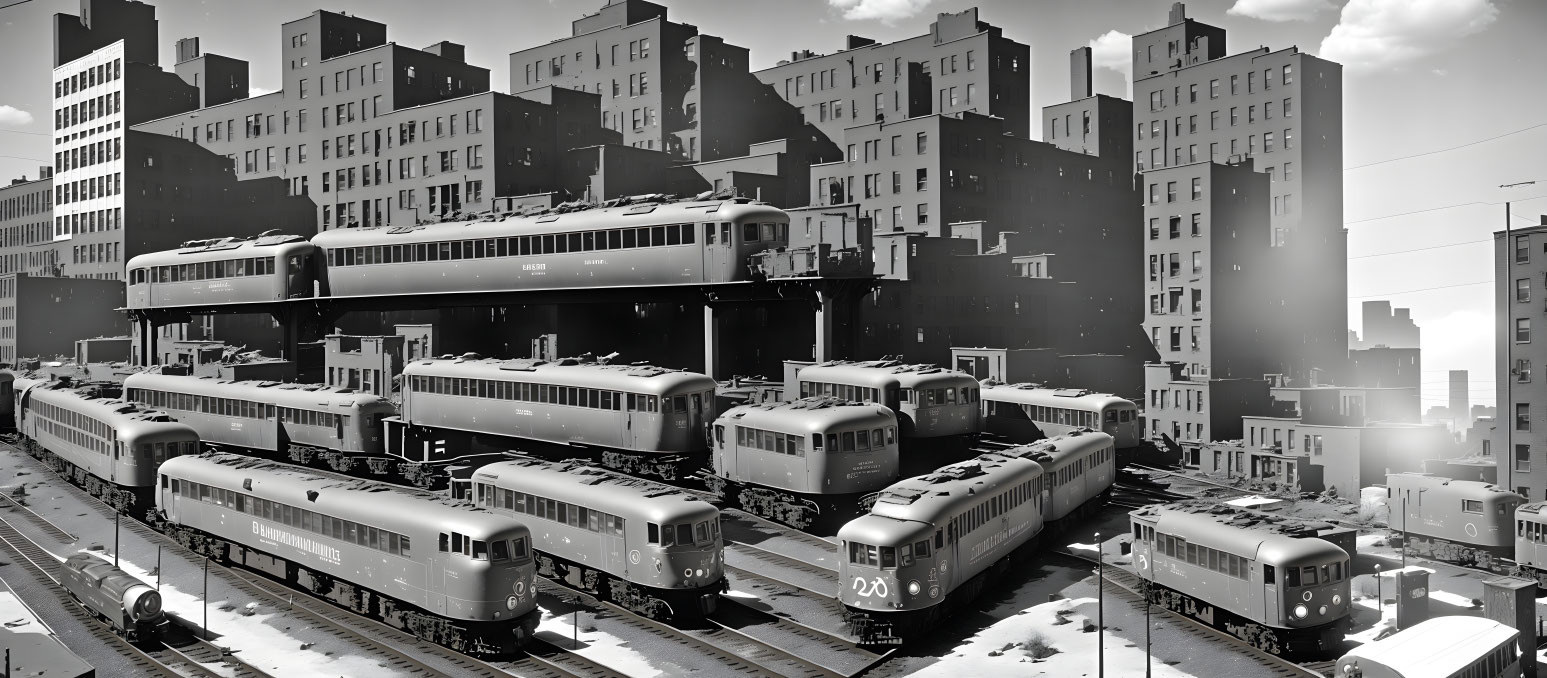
848, 441
749, 232
816, 441
1471, 506
888, 557
891, 435
685, 533
701, 531
1308, 576
797, 446
709, 234
654, 532
725, 232
480, 549
862, 440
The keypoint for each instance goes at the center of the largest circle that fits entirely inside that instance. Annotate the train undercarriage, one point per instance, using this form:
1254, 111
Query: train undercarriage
1305, 644
676, 605
481, 639
802, 511
130, 501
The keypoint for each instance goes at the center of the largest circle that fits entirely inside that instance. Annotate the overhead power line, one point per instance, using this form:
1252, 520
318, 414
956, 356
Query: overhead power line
1423, 289
1446, 150
1444, 207
17, 131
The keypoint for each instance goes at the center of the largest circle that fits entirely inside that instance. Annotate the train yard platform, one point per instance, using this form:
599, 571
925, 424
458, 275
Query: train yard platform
34, 649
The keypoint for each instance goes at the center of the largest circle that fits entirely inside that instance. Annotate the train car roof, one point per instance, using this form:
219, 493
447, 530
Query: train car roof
1439, 647
1034, 394
880, 529
1268, 537
219, 249
1431, 482
510, 224
282, 394
809, 415
125, 417
380, 505
599, 489
881, 372
566, 372
935, 496
1054, 453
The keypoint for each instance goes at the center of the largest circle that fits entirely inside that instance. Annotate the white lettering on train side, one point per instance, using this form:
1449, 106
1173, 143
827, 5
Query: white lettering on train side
278, 536
534, 267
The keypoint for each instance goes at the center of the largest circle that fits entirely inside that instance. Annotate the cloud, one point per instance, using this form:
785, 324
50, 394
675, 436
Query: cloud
887, 11
14, 117
1375, 35
1280, 10
1114, 51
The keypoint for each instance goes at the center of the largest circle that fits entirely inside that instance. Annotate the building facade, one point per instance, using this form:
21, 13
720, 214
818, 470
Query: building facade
962, 65
27, 227
1520, 433
44, 316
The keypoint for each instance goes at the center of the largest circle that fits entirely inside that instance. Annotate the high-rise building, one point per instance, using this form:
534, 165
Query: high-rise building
1519, 438
1241, 168
663, 85
961, 65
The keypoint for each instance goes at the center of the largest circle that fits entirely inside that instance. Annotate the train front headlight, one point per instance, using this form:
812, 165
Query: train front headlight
914, 588
1337, 599
1301, 612
1322, 611
142, 603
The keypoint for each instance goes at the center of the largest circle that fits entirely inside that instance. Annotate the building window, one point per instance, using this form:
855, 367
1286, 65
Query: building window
1289, 74
1522, 249
1176, 227
1523, 458
923, 211
1522, 416
1154, 227
1171, 191
1523, 290
1197, 188
1196, 337
1197, 263
921, 179
1197, 227
1522, 330
1176, 338
923, 143
1234, 117
1522, 370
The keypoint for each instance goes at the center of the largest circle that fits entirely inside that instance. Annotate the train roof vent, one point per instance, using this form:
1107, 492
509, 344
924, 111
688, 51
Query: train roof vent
646, 371
522, 364
547, 218
640, 209
1070, 392
267, 384
660, 493
900, 495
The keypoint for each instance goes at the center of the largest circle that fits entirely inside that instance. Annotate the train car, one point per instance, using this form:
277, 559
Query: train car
1530, 544
1080, 467
798, 461
641, 419
107, 446
301, 422
643, 244
127, 604
419, 561
649, 548
1441, 647
1266, 580
1458, 521
931, 543
266, 268
1026, 412
930, 402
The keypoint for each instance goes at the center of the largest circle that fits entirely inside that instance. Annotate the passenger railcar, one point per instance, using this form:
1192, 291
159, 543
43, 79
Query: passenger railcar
1025, 412
798, 461
930, 402
642, 419
127, 604
932, 542
651, 549
265, 268
1273, 584
642, 244
109, 447
1459, 521
1079, 467
446, 572
295, 421
1441, 647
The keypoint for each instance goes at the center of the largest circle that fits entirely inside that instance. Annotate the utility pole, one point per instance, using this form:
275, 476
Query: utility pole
1148, 657
1509, 346
1101, 657
206, 598
115, 539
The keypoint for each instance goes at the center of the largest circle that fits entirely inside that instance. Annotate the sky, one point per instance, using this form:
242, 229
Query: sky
1457, 83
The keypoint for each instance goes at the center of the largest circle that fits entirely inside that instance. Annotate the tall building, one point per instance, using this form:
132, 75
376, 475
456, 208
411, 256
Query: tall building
1460, 401
1241, 167
663, 85
1387, 326
1520, 439
119, 192
962, 65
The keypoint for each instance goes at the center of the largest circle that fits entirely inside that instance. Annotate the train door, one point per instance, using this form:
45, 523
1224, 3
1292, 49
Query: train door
719, 252
718, 444
1270, 587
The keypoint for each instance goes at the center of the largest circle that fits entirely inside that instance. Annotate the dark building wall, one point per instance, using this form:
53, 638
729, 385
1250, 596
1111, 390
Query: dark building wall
47, 315
103, 22
150, 93
219, 79
1386, 367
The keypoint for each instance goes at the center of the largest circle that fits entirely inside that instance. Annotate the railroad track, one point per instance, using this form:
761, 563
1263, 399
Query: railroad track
164, 660
832, 653
782, 569
1131, 585
777, 589
45, 524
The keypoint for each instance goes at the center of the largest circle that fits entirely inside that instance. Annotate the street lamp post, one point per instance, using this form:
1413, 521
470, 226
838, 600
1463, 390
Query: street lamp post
1380, 602
1148, 658
1101, 658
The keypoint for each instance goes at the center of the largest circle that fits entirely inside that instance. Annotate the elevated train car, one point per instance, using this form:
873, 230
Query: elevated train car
931, 543
1271, 583
109, 447
1024, 412
800, 461
294, 421
265, 268
1459, 521
449, 573
931, 403
641, 419
643, 244
649, 548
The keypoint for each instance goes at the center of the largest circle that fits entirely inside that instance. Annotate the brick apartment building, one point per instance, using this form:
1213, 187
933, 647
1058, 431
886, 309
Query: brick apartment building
27, 226
1241, 168
961, 65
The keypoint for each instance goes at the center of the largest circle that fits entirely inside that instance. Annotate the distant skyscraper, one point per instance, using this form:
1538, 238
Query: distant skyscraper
1460, 406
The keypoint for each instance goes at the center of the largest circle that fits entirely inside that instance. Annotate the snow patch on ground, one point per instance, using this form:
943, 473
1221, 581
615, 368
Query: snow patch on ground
602, 648
1010, 647
733, 593
19, 618
275, 651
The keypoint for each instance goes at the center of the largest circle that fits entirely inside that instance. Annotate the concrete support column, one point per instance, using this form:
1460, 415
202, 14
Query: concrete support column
711, 341
826, 320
